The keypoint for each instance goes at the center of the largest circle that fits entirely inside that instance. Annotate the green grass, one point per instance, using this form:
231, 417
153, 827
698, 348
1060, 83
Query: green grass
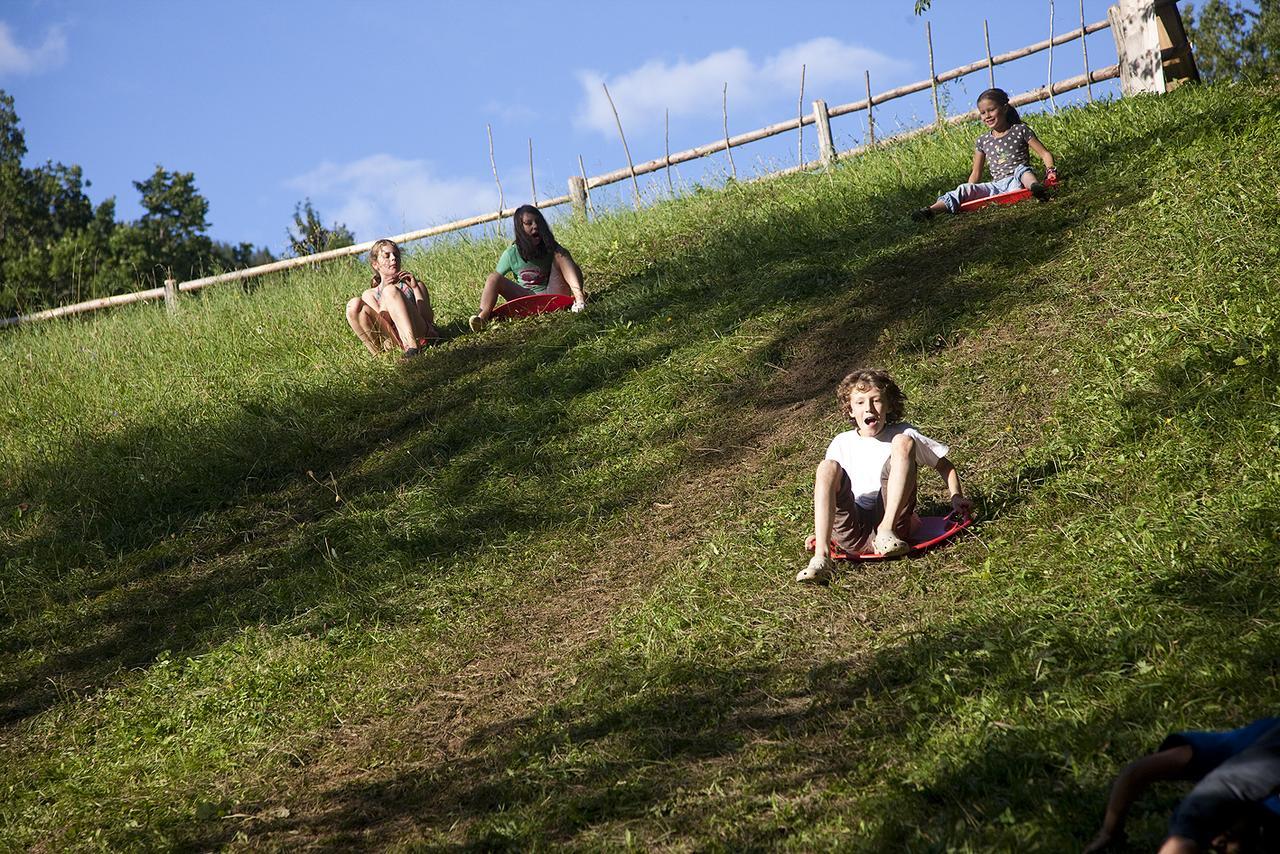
534, 588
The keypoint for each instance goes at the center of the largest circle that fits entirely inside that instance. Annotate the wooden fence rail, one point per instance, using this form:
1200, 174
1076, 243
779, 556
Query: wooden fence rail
820, 115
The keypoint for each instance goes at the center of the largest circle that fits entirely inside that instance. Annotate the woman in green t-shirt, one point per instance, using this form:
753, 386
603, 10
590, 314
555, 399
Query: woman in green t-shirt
535, 263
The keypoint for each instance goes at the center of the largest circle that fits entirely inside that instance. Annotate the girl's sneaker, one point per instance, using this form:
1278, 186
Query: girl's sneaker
819, 570
922, 214
1040, 191
477, 323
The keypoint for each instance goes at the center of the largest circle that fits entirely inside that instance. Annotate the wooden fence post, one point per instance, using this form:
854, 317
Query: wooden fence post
578, 196
933, 77
826, 148
171, 295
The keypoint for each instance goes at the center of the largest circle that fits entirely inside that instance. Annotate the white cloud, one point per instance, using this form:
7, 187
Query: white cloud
381, 194
16, 59
513, 113
687, 88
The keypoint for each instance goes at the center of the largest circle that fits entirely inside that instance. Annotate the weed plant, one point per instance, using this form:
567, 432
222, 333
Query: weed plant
533, 589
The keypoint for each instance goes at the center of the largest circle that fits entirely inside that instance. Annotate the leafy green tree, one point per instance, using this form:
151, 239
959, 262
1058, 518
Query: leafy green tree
240, 255
1231, 40
309, 234
173, 227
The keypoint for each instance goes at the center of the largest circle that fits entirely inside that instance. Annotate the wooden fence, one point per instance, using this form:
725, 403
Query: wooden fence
580, 186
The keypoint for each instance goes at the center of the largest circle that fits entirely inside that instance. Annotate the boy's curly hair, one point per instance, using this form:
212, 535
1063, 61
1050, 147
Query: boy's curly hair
895, 402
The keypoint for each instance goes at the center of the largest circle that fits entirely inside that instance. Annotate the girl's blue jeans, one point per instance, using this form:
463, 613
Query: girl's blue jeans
969, 192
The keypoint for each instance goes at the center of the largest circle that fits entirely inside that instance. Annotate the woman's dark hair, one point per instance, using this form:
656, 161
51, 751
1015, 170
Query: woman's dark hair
524, 244
1000, 98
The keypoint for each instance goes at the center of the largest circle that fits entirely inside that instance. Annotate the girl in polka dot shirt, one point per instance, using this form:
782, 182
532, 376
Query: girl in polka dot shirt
1004, 150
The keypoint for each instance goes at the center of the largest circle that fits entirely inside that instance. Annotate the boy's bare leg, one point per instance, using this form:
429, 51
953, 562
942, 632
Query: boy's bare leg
361, 324
900, 484
826, 481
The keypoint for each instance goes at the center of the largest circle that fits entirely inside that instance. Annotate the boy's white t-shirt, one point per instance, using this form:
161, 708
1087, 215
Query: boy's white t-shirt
866, 459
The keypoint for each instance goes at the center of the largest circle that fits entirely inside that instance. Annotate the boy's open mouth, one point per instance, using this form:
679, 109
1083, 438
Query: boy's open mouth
870, 420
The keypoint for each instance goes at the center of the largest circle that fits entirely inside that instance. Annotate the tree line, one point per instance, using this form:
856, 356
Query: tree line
56, 247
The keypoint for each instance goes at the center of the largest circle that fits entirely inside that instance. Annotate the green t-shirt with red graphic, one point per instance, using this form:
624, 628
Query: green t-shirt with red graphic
534, 275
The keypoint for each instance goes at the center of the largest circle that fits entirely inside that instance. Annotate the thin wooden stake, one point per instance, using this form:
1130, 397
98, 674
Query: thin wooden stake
502, 202
1053, 105
933, 77
586, 187
800, 121
871, 120
991, 66
533, 185
666, 139
1084, 46
631, 167
724, 107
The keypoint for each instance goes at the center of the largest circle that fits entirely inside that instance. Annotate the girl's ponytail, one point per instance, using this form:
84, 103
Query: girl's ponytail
1000, 98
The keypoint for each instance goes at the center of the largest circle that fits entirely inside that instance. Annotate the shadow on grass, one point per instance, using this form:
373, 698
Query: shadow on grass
915, 736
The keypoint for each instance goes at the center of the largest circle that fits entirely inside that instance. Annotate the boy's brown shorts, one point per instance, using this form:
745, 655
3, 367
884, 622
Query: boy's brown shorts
852, 525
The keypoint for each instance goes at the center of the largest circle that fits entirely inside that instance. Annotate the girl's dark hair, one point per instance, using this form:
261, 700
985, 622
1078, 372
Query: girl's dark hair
894, 401
524, 244
1000, 98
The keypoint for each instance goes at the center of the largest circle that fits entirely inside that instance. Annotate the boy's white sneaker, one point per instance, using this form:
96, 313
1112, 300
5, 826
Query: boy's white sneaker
819, 570
890, 545
477, 323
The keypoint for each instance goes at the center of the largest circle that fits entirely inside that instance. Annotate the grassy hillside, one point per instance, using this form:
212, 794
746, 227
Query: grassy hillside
534, 588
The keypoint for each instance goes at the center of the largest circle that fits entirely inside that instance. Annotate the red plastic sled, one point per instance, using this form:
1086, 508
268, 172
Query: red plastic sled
532, 304
933, 531
1010, 198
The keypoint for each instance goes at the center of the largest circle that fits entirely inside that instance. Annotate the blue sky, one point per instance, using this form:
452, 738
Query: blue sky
377, 111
